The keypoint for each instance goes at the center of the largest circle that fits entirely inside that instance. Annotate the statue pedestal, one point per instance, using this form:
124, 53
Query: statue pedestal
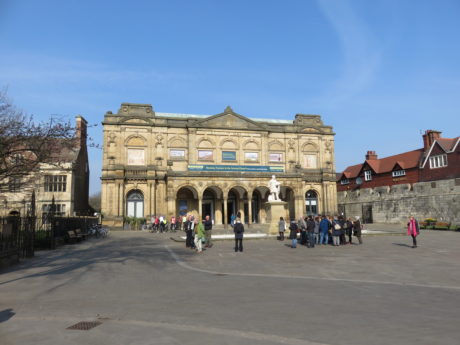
275, 210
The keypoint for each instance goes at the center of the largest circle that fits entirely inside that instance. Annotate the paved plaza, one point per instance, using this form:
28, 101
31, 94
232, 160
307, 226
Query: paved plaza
144, 288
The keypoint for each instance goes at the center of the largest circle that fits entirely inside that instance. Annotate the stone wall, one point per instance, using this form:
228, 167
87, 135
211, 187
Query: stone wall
437, 199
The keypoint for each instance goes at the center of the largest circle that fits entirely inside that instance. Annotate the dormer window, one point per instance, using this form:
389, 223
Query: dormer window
368, 175
398, 173
438, 161
344, 181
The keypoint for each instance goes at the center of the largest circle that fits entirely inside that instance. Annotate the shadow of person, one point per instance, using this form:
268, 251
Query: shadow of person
402, 245
6, 314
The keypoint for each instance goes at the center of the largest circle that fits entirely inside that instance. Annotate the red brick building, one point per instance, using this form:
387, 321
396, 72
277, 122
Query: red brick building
439, 159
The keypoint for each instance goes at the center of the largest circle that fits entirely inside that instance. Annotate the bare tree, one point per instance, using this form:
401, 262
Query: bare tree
26, 144
95, 201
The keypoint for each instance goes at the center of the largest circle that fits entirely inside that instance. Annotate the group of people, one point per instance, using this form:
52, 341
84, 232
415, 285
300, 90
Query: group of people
319, 230
197, 231
312, 230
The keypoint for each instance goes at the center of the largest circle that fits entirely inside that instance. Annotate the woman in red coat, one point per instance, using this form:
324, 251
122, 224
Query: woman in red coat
413, 230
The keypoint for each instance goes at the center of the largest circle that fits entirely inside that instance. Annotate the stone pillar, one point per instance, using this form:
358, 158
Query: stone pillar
218, 212
299, 206
249, 211
225, 200
161, 198
200, 207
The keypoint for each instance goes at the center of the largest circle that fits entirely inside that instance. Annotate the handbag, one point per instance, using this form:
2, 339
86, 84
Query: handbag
337, 226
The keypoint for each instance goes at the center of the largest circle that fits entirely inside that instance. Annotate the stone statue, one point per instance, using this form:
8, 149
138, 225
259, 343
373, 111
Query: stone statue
275, 188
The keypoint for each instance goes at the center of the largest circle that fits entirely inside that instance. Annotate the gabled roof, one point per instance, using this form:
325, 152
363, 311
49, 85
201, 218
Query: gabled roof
447, 144
406, 160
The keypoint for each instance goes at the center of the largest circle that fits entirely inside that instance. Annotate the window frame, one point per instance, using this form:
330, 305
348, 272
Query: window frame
438, 161
398, 173
367, 175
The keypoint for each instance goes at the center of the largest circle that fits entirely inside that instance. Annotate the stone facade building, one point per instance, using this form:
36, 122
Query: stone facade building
64, 179
175, 164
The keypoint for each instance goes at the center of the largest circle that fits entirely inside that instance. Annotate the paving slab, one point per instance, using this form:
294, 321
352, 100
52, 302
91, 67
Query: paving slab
144, 288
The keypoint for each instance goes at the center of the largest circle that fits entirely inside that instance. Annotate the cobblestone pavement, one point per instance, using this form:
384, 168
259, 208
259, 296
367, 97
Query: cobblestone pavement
144, 288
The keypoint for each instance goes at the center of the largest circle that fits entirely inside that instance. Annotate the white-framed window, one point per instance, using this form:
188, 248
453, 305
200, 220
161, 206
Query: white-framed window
367, 175
397, 173
344, 181
438, 161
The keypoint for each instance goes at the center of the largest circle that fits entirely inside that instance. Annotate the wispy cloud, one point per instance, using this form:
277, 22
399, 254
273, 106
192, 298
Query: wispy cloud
49, 69
361, 57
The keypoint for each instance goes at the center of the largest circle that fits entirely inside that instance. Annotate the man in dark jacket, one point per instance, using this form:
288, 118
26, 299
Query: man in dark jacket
238, 229
207, 230
311, 232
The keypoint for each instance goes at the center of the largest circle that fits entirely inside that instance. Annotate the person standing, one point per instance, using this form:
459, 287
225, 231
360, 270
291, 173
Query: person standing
302, 225
349, 228
316, 231
324, 226
413, 230
336, 232
208, 231
238, 229
293, 233
199, 235
311, 232
281, 228
357, 227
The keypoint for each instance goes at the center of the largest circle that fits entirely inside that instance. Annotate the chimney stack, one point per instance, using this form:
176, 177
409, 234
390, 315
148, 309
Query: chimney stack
81, 130
429, 138
371, 155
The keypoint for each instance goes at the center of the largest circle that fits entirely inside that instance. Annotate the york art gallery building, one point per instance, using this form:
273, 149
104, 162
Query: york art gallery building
219, 165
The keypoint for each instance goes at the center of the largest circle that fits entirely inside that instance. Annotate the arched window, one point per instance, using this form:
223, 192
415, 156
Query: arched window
135, 204
311, 203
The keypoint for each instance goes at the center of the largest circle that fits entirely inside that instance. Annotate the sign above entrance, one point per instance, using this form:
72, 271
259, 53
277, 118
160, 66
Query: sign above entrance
227, 168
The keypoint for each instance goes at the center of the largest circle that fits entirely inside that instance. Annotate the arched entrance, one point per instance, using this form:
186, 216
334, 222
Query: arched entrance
212, 204
311, 203
237, 204
135, 204
287, 195
187, 201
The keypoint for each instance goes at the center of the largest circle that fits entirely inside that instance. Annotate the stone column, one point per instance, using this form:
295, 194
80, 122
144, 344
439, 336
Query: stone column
200, 207
249, 211
161, 198
218, 212
225, 200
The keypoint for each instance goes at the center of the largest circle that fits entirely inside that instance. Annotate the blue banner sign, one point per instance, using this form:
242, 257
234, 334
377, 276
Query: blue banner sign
227, 168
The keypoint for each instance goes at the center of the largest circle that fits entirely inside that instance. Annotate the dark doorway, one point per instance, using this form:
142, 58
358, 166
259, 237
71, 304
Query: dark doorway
367, 214
311, 203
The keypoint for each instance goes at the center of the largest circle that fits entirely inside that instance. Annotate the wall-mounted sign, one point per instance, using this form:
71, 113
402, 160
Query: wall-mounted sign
227, 168
251, 156
228, 155
275, 157
177, 154
136, 157
205, 155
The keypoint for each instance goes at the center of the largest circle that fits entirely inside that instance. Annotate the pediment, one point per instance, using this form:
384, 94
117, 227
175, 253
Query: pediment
229, 119
136, 120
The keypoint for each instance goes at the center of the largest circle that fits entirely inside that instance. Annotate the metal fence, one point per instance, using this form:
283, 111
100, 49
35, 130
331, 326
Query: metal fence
21, 236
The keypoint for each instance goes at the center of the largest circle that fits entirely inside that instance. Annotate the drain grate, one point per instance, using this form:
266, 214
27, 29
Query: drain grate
85, 325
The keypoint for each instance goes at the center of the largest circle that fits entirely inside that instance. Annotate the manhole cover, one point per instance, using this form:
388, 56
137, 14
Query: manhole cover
85, 325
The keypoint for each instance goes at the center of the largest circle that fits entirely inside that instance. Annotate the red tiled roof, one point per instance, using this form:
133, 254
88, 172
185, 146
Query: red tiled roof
446, 143
405, 160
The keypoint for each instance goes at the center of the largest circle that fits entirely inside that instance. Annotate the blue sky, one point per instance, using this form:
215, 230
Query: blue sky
378, 71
